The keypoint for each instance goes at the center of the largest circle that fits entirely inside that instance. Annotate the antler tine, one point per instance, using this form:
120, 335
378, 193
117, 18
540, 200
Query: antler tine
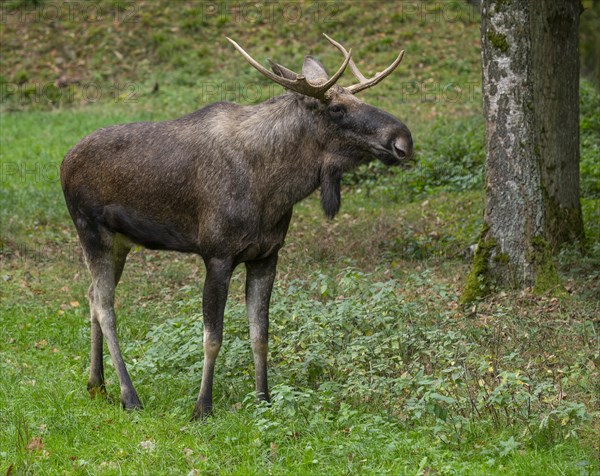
355, 71
339, 72
300, 84
365, 83
378, 77
272, 76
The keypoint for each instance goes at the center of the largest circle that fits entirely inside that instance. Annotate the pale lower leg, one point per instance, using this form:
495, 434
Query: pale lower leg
212, 345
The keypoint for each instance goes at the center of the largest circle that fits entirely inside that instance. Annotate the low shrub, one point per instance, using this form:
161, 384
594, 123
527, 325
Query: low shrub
341, 344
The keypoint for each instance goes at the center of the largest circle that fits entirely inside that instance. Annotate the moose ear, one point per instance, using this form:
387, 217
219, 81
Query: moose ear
313, 70
282, 71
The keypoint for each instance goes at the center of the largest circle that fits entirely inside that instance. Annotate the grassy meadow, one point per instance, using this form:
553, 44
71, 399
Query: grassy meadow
374, 366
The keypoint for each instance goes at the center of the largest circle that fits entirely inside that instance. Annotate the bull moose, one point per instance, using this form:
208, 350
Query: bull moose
220, 182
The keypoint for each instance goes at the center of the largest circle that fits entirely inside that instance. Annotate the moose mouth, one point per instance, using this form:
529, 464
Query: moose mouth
391, 157
397, 151
387, 158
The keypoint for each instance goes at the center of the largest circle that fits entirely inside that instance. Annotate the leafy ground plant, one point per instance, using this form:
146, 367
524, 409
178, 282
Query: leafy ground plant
361, 339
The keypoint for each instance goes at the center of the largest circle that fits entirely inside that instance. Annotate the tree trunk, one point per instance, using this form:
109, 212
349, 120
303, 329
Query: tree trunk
513, 249
555, 54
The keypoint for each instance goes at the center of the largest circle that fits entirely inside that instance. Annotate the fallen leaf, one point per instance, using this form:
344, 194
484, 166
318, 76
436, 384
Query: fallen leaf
41, 344
273, 450
35, 444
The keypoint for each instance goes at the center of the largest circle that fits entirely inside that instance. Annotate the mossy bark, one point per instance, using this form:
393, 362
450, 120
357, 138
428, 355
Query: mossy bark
546, 277
477, 283
513, 249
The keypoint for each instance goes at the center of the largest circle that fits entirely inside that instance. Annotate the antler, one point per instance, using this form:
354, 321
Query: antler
300, 84
365, 83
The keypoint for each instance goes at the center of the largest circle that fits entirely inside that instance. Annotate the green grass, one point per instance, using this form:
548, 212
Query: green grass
375, 368
354, 363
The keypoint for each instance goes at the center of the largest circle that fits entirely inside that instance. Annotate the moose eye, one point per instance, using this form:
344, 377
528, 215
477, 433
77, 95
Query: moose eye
337, 110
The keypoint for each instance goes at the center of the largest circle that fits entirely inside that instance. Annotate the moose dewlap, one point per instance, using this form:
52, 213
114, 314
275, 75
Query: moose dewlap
220, 182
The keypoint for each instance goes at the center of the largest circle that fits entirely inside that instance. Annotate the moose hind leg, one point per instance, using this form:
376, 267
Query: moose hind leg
105, 254
259, 284
96, 385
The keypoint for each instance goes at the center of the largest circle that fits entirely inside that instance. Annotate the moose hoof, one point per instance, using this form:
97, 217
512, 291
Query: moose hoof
132, 407
131, 403
96, 390
202, 412
263, 397
202, 416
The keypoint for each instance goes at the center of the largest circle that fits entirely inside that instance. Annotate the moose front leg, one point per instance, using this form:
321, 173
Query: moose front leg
216, 286
260, 275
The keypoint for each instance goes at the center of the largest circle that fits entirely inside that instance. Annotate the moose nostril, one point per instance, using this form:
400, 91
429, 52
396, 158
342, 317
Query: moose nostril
402, 147
401, 152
